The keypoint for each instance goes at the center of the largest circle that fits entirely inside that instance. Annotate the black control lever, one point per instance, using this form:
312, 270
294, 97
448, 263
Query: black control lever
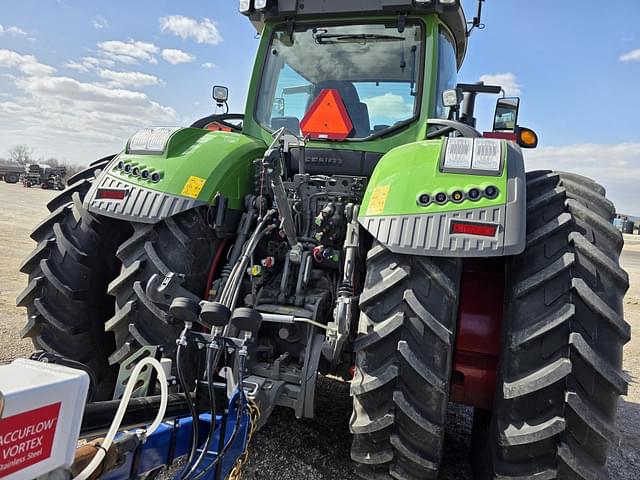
246, 320
163, 289
185, 309
214, 315
273, 167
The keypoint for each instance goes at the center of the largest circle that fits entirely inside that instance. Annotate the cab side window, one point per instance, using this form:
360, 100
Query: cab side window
447, 70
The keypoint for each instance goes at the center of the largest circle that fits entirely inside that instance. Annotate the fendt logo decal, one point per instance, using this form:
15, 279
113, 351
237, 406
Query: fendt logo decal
324, 161
27, 438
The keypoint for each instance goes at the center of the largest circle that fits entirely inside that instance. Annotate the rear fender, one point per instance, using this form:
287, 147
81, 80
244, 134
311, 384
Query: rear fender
393, 213
194, 168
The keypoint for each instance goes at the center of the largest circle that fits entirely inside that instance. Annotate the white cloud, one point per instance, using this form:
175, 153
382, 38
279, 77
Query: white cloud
632, 56
205, 31
129, 79
27, 64
616, 166
209, 65
100, 22
175, 56
81, 120
130, 52
508, 81
388, 108
89, 63
13, 31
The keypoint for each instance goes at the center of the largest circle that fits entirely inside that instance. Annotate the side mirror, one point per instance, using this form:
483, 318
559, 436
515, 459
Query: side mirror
220, 94
506, 117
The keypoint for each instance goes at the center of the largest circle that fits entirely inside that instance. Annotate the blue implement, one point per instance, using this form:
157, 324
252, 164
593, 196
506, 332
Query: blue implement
172, 440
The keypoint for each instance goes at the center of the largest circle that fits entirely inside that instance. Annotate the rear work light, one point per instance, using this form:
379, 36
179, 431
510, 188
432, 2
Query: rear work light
151, 140
111, 194
471, 228
458, 153
475, 156
486, 155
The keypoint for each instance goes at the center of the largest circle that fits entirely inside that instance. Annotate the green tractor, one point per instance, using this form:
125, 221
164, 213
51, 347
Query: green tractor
355, 224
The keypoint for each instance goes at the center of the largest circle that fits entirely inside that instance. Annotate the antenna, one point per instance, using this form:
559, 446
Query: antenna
477, 20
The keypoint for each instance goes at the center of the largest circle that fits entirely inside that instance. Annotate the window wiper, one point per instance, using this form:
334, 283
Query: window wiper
362, 38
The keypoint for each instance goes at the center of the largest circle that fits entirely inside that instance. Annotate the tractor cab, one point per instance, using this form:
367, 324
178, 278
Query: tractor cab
355, 79
366, 73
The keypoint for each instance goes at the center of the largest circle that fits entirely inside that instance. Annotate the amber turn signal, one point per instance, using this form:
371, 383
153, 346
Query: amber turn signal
527, 138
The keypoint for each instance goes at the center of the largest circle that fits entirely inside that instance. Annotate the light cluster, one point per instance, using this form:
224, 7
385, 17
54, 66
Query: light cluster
458, 196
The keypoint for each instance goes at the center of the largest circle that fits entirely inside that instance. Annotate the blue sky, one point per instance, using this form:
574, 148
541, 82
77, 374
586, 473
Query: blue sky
78, 77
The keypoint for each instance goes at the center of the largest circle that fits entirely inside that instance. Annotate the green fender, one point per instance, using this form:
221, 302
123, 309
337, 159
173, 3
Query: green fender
196, 166
394, 212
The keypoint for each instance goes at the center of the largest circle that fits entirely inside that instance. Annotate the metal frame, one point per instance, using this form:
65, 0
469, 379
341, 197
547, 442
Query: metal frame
173, 440
479, 332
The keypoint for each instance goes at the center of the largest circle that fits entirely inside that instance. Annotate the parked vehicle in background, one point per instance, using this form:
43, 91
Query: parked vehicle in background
11, 172
44, 176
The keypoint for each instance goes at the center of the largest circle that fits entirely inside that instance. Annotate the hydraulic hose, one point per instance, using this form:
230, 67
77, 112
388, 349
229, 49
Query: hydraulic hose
115, 425
231, 288
213, 356
214, 266
236, 426
242, 267
195, 431
227, 446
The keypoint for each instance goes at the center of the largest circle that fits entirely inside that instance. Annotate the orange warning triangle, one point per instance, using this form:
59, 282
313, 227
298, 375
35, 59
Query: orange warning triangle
327, 118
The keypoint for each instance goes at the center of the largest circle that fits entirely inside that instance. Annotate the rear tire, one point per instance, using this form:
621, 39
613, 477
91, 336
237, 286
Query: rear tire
561, 364
11, 178
184, 244
66, 299
403, 364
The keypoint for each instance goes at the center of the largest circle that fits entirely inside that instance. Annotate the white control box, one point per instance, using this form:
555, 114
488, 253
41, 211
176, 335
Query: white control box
41, 407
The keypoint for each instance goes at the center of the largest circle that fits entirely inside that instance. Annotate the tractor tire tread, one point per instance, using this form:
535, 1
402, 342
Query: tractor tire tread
69, 271
561, 369
183, 244
398, 433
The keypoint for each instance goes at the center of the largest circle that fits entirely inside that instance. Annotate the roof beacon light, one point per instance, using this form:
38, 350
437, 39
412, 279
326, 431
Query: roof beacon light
151, 140
260, 4
459, 153
245, 6
487, 154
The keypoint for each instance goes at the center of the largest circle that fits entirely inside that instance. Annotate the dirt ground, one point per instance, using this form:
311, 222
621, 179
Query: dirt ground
288, 448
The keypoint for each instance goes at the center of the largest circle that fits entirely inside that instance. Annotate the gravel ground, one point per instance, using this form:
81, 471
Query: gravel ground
287, 448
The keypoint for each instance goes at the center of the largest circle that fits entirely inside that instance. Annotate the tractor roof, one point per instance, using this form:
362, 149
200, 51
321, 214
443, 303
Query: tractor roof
451, 15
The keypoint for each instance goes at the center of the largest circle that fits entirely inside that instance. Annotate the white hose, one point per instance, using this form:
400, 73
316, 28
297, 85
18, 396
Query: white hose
115, 425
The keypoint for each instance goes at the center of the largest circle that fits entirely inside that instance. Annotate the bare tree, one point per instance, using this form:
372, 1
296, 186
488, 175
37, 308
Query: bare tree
21, 154
54, 162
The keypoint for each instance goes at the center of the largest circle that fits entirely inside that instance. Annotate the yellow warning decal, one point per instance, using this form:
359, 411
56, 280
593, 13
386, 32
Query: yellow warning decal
193, 187
378, 199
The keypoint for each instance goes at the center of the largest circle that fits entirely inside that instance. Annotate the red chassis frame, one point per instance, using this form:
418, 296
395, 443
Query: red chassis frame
479, 337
